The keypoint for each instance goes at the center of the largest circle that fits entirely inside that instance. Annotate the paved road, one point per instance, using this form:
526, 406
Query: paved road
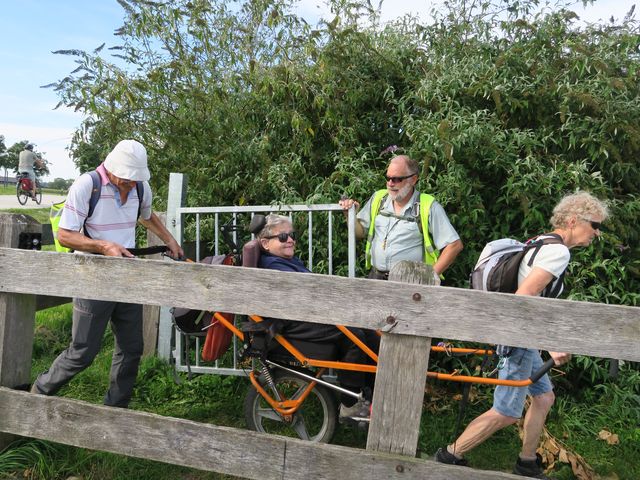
11, 201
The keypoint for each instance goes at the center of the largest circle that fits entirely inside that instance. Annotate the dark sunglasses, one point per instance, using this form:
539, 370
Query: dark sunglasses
594, 225
283, 237
398, 179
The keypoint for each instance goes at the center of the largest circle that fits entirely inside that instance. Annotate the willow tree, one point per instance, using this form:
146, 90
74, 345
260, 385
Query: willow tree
507, 106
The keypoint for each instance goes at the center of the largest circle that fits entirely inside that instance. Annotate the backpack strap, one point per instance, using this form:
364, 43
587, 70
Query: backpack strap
537, 244
549, 291
140, 191
96, 189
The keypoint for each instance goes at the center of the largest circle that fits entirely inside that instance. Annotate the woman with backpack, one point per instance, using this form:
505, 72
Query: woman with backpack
576, 221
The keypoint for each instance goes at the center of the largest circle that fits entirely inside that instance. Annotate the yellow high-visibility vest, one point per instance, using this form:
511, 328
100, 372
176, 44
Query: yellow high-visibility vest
430, 256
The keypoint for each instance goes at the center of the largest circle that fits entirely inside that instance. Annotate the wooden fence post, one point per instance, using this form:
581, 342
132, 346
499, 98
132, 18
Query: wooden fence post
151, 313
17, 315
399, 389
176, 198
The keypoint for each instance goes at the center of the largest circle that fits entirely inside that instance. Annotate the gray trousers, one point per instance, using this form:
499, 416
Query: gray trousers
90, 319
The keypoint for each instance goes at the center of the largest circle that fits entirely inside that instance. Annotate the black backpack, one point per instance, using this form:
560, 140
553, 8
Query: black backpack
497, 267
497, 270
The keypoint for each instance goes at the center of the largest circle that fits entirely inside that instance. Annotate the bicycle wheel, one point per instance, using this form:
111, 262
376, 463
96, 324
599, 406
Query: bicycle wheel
38, 194
22, 195
315, 420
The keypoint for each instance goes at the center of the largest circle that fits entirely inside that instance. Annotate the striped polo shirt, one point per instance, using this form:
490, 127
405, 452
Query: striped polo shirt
111, 220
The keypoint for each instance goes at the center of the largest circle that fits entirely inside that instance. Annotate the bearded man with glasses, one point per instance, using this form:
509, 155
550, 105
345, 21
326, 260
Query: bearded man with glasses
399, 223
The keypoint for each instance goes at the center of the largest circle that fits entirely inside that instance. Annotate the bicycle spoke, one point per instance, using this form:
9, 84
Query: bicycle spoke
299, 392
268, 413
300, 427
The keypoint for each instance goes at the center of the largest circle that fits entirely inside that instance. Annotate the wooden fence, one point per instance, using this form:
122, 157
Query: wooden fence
415, 312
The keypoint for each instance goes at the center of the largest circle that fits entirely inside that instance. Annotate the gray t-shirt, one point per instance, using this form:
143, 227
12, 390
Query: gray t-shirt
397, 239
26, 159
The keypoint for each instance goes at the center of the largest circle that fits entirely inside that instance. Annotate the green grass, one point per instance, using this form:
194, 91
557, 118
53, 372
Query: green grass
11, 190
576, 420
41, 215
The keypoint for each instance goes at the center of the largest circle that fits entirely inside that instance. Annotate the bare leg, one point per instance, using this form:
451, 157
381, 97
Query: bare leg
479, 430
534, 423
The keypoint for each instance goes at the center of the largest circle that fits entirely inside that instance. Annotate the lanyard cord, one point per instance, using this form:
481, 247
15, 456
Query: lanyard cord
389, 229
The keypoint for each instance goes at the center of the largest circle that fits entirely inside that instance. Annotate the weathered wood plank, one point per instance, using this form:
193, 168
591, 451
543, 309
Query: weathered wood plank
398, 394
402, 361
206, 447
17, 313
558, 325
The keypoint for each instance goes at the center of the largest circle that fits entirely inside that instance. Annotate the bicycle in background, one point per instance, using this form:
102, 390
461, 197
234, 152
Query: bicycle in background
23, 189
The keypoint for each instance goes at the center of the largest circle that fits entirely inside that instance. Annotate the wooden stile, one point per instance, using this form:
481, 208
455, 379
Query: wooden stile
399, 387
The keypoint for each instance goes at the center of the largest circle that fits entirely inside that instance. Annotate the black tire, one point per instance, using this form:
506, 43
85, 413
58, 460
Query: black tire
38, 195
22, 195
316, 420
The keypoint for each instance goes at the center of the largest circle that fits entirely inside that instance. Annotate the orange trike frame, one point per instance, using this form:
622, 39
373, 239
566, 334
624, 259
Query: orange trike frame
288, 407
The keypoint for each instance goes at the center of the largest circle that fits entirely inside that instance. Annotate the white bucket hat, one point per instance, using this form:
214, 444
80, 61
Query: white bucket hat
128, 160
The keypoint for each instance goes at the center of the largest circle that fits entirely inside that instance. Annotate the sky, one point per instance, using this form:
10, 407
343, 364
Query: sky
30, 30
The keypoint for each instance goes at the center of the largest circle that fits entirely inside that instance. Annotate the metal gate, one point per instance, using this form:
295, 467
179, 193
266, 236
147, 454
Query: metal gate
209, 225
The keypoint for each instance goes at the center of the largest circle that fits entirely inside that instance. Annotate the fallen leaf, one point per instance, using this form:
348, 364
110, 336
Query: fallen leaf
563, 456
604, 434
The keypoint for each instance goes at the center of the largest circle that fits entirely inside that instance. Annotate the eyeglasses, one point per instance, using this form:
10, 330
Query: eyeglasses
283, 237
398, 179
594, 225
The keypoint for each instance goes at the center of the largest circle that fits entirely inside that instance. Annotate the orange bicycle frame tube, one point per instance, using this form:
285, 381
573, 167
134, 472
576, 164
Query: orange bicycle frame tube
360, 367
287, 406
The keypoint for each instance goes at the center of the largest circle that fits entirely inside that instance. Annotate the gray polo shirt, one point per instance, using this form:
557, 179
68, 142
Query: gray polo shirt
397, 239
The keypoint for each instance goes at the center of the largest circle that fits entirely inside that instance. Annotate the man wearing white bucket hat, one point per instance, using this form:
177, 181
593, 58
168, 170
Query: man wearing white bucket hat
125, 198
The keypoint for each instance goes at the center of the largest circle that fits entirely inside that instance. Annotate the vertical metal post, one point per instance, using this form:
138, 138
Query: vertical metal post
330, 241
310, 229
176, 199
197, 237
351, 241
216, 221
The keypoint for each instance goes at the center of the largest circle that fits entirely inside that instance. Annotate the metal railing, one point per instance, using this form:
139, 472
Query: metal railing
210, 222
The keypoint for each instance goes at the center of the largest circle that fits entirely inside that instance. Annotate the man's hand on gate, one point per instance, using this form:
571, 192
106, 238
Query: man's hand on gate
347, 203
112, 249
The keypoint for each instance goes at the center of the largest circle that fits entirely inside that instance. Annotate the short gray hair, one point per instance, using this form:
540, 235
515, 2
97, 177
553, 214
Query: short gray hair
412, 165
580, 204
272, 221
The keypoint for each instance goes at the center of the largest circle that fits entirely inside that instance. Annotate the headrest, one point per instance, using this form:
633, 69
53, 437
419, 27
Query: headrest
251, 253
257, 224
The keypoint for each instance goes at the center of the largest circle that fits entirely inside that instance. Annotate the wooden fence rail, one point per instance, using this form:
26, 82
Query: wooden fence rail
411, 312
558, 325
206, 447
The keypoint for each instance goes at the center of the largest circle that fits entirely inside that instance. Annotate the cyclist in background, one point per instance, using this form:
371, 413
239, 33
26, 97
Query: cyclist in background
27, 161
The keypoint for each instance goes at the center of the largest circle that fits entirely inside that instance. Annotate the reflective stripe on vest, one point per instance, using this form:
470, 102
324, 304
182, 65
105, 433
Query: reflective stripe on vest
430, 255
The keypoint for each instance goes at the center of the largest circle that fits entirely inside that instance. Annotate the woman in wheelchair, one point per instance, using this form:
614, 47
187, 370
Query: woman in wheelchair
277, 241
